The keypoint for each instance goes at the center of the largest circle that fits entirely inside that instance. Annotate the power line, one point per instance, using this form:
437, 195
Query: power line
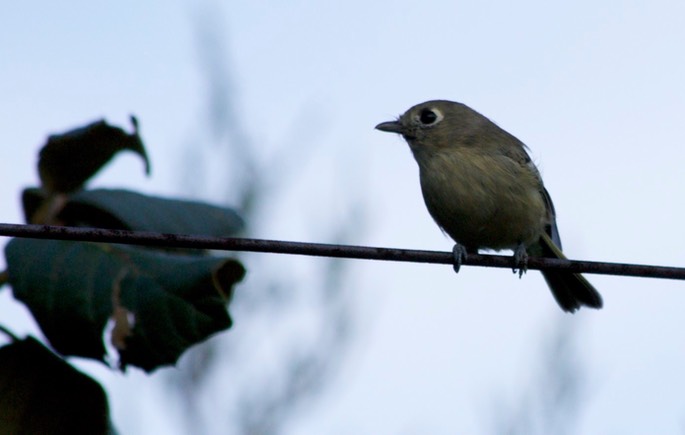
326, 250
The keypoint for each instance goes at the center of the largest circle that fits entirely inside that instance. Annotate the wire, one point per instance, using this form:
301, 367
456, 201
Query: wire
327, 250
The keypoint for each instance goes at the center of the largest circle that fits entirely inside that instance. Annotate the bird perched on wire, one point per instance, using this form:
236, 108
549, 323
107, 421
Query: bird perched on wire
483, 190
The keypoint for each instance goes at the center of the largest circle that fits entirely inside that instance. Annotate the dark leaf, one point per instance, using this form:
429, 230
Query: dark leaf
68, 160
126, 210
41, 394
161, 303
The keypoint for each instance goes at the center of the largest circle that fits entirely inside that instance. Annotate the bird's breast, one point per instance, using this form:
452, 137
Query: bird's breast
480, 200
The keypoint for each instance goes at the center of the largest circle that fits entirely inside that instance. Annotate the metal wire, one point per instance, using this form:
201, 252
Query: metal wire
326, 250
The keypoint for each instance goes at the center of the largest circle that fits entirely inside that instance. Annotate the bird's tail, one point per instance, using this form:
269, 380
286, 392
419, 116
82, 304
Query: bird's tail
571, 290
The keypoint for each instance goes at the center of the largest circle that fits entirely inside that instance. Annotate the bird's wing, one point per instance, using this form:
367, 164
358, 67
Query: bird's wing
516, 151
552, 229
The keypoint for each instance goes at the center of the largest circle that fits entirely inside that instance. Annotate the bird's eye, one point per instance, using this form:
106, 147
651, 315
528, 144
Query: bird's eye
429, 116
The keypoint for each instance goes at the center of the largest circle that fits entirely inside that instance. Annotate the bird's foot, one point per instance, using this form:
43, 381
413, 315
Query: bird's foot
520, 260
459, 255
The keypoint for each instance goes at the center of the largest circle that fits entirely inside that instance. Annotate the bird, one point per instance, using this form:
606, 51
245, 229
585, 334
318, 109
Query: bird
483, 190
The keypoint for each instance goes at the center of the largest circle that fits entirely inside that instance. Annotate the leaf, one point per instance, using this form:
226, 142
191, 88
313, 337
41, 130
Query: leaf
41, 393
126, 210
70, 159
162, 303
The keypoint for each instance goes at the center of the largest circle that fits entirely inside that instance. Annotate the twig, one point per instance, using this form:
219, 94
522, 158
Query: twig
326, 250
8, 333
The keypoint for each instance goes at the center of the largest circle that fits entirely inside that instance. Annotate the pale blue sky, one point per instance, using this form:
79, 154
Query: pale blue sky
595, 90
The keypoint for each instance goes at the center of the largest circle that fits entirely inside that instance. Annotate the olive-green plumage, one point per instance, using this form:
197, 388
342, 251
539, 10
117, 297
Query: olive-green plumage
483, 190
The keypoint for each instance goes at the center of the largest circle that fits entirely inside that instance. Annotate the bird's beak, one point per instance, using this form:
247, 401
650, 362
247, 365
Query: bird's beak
390, 127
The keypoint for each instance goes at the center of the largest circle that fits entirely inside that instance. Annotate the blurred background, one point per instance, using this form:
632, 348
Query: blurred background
269, 107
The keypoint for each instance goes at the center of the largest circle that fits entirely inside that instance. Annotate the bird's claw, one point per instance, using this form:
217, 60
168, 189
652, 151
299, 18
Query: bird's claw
520, 260
459, 256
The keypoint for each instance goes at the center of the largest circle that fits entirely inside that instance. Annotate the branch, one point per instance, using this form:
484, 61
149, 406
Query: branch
8, 333
327, 250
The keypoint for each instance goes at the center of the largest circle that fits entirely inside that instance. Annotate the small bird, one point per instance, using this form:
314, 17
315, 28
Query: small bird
482, 188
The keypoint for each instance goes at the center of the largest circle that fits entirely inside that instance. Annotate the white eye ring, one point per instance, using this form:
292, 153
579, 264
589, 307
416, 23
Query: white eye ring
429, 116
